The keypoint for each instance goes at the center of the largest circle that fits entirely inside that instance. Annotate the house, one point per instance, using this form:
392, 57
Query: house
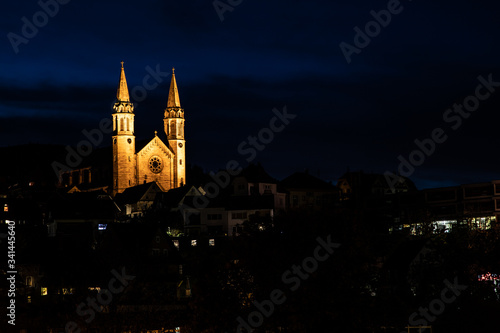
136, 200
360, 185
96, 208
178, 209
225, 216
308, 192
253, 181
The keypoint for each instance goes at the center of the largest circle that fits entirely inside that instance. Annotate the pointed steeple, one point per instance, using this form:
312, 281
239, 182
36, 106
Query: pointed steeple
173, 94
122, 93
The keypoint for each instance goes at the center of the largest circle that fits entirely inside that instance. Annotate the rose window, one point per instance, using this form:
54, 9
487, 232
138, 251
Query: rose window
155, 164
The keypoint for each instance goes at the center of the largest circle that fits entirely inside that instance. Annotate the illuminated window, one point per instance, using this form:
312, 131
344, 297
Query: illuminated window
102, 226
176, 243
5, 208
193, 242
44, 291
67, 291
29, 299
211, 242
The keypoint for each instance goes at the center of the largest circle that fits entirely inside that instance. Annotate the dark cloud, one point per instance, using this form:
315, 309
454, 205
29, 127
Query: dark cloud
264, 55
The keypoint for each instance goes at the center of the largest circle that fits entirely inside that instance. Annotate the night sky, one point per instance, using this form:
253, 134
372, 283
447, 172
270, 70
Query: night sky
232, 73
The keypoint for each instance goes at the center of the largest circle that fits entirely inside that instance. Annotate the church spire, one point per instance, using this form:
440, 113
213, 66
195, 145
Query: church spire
173, 94
122, 93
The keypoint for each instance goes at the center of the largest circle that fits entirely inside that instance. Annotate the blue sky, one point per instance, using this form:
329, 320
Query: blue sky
232, 73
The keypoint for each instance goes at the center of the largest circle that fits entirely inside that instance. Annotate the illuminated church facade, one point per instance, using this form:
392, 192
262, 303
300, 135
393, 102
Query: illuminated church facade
163, 163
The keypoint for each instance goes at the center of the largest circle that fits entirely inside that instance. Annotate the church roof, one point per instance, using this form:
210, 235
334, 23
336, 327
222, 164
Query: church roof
173, 197
156, 141
255, 173
173, 94
303, 180
366, 182
122, 93
83, 206
134, 194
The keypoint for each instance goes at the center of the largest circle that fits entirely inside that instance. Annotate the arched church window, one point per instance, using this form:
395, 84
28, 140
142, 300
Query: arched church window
122, 127
172, 128
126, 122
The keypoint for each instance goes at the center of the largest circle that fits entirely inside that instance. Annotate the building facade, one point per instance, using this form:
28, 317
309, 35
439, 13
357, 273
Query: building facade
157, 161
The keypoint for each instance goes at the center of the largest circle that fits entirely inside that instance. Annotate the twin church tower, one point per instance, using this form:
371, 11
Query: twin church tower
156, 161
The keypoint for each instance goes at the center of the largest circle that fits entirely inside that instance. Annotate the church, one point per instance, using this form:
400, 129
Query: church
128, 163
163, 163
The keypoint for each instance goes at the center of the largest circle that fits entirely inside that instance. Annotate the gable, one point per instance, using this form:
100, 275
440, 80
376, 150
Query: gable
156, 146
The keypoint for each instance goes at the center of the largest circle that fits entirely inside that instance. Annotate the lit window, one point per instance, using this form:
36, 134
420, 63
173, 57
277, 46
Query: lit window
193, 242
176, 243
44, 291
5, 208
29, 299
102, 226
211, 242
31, 184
